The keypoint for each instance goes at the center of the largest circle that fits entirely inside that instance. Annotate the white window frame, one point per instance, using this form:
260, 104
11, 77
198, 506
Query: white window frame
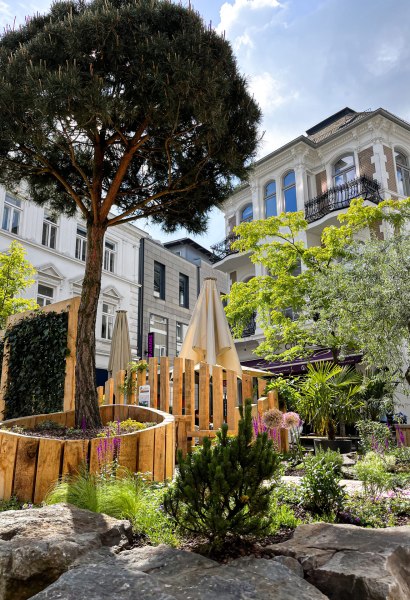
402, 168
343, 172
179, 342
12, 208
81, 243
44, 299
49, 225
107, 319
110, 252
159, 348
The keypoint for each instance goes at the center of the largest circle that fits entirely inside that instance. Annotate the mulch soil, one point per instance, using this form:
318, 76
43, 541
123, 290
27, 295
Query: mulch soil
64, 433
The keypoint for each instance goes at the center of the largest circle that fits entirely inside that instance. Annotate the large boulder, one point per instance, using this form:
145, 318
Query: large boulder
38, 545
163, 573
345, 561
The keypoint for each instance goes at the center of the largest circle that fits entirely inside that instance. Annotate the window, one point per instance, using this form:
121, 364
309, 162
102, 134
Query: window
81, 243
403, 174
344, 170
110, 249
181, 332
247, 213
159, 327
159, 280
45, 295
289, 192
183, 290
271, 209
49, 236
11, 215
107, 324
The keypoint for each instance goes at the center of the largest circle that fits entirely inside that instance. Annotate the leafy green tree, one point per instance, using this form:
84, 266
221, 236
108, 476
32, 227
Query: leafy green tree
120, 110
369, 289
328, 273
16, 274
221, 489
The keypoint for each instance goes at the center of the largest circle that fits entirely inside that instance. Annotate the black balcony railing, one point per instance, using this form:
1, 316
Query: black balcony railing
223, 249
250, 327
339, 197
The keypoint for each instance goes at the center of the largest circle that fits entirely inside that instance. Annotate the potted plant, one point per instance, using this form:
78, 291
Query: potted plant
330, 394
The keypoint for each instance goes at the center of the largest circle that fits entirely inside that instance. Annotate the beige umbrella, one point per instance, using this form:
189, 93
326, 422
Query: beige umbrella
208, 337
120, 354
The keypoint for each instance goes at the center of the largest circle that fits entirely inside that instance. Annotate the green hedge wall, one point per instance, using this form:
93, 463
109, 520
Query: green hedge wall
37, 362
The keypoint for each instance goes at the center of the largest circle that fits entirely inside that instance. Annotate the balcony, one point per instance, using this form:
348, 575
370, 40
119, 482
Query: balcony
223, 249
339, 197
250, 327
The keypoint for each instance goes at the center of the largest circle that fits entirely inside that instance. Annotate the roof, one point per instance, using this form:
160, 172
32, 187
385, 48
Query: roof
189, 242
330, 127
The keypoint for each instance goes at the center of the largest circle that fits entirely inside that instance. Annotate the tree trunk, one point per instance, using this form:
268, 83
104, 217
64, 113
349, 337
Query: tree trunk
331, 430
87, 414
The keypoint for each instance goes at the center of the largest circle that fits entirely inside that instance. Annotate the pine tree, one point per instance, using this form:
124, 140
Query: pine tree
221, 489
132, 105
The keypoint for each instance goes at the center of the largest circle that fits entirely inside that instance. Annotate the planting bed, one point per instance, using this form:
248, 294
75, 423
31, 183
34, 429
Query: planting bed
30, 465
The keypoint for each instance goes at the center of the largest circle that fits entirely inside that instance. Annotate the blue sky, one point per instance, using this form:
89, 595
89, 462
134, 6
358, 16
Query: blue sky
304, 60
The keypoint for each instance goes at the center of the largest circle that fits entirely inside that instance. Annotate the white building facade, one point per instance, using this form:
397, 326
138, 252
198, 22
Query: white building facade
347, 155
131, 278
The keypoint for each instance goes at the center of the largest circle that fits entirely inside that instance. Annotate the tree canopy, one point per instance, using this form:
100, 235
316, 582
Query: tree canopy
132, 103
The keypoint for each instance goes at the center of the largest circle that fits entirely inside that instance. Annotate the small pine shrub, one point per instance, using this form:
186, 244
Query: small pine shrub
321, 492
221, 489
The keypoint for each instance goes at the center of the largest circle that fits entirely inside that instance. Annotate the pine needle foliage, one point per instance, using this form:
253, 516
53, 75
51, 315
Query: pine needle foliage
221, 489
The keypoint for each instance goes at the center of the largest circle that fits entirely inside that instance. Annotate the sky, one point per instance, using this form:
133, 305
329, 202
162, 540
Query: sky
303, 59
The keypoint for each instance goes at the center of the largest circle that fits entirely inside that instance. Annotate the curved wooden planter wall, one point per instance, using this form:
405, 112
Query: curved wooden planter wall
29, 466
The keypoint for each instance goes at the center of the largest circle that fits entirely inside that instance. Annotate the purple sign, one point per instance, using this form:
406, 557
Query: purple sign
151, 344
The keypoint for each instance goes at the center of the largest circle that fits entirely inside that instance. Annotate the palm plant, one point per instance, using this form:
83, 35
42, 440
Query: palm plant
330, 394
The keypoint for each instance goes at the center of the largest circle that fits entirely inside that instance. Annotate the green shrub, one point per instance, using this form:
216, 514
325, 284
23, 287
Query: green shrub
373, 471
374, 436
12, 504
120, 427
321, 492
128, 497
370, 512
402, 456
221, 489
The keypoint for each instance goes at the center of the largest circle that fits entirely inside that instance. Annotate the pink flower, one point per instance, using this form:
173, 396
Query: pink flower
272, 418
291, 420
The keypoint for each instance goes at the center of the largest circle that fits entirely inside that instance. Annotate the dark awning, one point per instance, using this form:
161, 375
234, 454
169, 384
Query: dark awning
298, 365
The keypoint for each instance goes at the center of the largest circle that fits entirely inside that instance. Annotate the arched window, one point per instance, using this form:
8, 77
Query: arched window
403, 173
289, 192
344, 170
247, 213
271, 209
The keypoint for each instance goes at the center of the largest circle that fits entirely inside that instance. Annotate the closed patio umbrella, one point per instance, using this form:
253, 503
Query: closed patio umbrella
120, 354
208, 337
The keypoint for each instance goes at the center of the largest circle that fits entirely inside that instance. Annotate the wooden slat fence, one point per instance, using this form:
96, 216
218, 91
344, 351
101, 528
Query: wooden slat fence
200, 400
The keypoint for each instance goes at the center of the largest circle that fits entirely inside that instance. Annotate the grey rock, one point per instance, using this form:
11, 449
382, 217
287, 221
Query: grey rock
38, 545
164, 561
290, 563
104, 581
345, 561
163, 573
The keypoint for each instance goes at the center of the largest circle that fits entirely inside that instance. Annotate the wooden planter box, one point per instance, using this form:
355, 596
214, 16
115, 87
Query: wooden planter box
405, 430
29, 466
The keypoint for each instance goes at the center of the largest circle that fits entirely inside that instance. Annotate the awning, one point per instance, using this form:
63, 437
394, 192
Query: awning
298, 365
